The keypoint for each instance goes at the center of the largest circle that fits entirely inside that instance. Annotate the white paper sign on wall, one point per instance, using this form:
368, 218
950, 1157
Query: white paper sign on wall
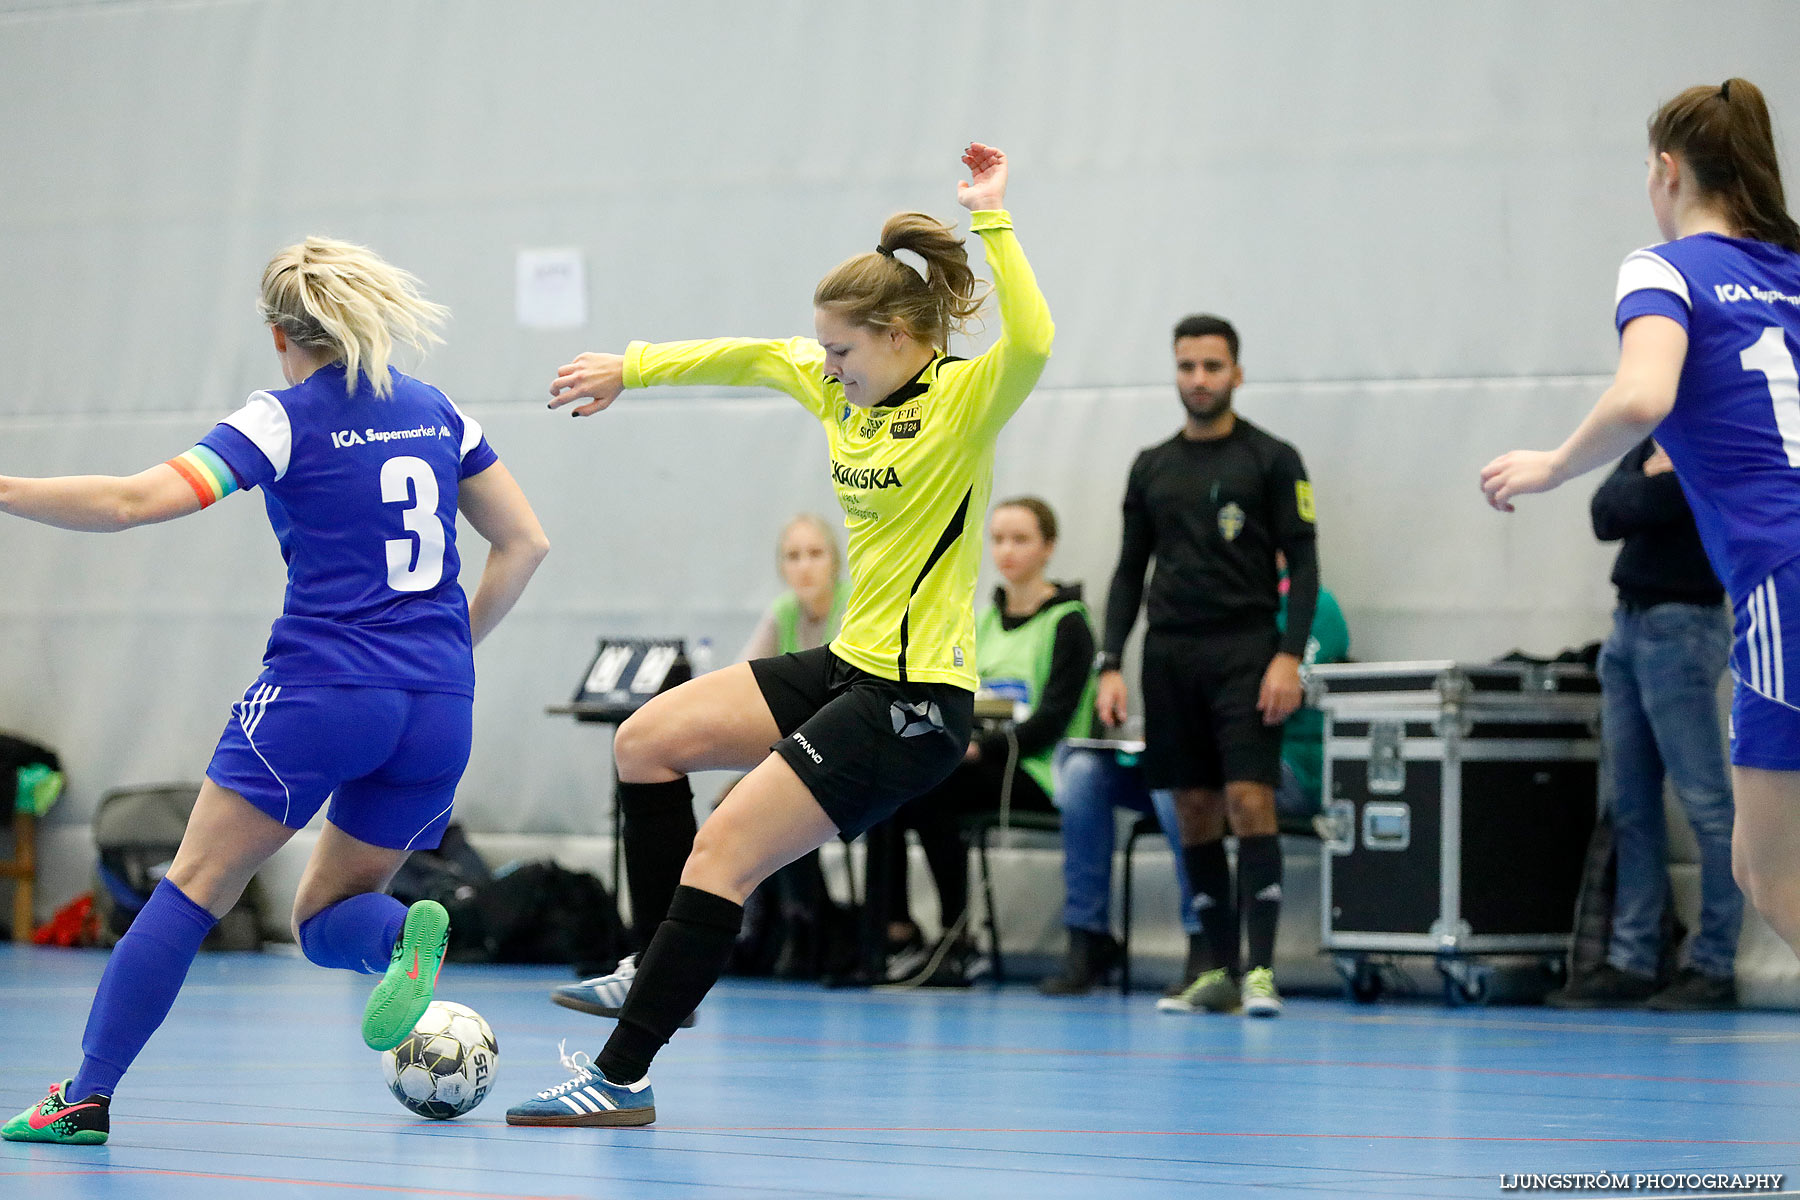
552, 289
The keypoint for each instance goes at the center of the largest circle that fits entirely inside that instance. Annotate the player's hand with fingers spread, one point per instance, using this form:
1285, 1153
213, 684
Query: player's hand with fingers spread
595, 378
986, 192
1520, 473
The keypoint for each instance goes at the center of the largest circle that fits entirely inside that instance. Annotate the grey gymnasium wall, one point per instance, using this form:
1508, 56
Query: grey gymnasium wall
1413, 211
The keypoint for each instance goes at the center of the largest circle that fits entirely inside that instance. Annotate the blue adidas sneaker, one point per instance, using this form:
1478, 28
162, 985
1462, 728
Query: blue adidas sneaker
603, 995
587, 1099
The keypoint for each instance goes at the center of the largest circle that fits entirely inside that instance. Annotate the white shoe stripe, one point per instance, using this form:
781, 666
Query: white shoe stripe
605, 1100
574, 1107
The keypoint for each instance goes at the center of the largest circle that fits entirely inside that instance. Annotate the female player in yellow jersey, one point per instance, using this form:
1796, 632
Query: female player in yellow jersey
843, 735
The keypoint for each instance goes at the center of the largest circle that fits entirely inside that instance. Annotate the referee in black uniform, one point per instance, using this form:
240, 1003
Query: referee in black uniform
1213, 505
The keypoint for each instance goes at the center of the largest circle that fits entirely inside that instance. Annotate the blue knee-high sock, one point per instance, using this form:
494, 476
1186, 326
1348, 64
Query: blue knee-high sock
139, 986
357, 934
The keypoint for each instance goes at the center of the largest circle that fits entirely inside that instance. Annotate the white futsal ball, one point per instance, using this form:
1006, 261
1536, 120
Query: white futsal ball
446, 1065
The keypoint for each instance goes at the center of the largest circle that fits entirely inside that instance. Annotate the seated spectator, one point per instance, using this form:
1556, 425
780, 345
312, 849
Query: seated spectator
1092, 783
1034, 645
809, 612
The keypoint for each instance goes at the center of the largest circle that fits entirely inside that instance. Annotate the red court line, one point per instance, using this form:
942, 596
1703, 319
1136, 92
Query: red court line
318, 1183
907, 1129
1245, 1061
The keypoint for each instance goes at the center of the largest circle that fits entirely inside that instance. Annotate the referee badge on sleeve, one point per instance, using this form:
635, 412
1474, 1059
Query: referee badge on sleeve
1303, 501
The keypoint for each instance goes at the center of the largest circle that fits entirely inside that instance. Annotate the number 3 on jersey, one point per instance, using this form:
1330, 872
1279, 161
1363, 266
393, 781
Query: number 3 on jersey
1769, 354
402, 479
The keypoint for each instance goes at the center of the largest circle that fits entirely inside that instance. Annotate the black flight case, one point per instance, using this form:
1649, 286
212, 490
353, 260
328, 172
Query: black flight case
1459, 802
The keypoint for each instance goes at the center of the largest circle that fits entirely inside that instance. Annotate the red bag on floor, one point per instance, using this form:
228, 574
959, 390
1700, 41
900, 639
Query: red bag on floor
75, 924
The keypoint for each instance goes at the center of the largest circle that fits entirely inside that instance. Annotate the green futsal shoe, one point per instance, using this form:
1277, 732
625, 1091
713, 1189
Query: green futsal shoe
54, 1119
404, 993
1211, 991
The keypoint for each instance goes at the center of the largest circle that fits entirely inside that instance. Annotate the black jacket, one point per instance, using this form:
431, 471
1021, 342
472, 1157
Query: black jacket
1662, 561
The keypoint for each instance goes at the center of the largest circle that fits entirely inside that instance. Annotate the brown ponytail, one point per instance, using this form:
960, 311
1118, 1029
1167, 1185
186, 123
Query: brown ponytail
884, 292
1725, 137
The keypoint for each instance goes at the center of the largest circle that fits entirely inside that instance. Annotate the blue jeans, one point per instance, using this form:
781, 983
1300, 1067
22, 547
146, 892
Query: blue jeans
1090, 784
1660, 674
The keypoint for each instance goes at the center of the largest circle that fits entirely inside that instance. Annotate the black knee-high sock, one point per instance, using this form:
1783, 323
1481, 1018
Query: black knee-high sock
1259, 895
1215, 903
659, 835
684, 960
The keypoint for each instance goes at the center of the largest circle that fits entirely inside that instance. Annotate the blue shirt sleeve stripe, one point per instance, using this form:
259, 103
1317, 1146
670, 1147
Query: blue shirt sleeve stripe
479, 459
1648, 302
250, 465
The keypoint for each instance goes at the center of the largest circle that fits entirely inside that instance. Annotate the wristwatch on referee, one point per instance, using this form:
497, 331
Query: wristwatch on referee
1104, 662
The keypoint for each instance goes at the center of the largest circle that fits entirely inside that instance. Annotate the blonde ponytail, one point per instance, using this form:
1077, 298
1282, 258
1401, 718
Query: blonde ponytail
346, 300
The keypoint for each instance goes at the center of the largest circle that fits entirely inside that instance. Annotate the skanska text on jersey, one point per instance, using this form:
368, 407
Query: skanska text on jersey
342, 438
864, 478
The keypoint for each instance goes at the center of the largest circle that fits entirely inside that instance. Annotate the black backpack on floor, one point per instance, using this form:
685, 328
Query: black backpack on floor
537, 912
137, 831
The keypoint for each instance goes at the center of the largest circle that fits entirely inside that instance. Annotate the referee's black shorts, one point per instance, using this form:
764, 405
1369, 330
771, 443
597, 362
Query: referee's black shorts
863, 745
1201, 725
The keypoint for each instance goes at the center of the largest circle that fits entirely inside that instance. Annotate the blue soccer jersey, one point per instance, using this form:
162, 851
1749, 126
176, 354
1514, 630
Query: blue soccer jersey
1734, 433
362, 491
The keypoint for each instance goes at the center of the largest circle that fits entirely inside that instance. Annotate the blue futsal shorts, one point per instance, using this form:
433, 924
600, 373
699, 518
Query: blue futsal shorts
1765, 722
389, 759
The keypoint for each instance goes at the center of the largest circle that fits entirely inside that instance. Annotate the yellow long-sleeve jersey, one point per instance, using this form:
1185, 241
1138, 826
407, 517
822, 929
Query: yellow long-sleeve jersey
913, 477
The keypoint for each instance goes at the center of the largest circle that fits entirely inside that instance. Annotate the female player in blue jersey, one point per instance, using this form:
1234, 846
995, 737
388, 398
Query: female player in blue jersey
1709, 325
367, 684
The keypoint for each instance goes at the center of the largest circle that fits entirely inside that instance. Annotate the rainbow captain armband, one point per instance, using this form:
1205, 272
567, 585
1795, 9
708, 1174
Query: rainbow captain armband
206, 473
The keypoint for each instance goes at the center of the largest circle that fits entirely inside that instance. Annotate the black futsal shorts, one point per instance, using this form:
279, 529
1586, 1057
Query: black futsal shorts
862, 745
1201, 725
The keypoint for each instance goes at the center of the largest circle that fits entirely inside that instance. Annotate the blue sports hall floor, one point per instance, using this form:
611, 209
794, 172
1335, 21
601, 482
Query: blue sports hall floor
259, 1086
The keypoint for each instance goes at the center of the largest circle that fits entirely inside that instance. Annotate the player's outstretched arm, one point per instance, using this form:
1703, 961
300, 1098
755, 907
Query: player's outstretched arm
1651, 353
100, 503
595, 378
497, 508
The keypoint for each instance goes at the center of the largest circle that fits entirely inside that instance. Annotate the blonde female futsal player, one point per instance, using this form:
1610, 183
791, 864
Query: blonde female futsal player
367, 684
843, 735
1709, 325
